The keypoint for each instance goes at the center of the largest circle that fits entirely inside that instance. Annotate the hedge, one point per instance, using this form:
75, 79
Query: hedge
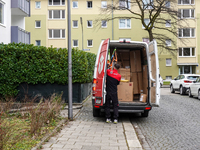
24, 63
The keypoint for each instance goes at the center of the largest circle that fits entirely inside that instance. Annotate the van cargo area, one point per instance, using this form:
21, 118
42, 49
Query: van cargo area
132, 59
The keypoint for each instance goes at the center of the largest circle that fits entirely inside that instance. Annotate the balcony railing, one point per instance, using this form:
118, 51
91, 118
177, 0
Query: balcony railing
23, 5
19, 35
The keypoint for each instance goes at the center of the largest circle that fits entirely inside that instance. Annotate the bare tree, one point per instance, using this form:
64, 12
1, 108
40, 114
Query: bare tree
157, 13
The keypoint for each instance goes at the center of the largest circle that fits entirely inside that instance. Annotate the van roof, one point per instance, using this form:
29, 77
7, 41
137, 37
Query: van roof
128, 45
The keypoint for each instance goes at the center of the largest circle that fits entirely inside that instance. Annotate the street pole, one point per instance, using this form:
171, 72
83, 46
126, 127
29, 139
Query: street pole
82, 31
70, 109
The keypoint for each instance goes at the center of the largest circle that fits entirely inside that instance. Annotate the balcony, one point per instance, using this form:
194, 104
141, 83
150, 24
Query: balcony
20, 7
19, 35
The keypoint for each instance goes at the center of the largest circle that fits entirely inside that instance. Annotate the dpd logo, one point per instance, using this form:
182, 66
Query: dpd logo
101, 62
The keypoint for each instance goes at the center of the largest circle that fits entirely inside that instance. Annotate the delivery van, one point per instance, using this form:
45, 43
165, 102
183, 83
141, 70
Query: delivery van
139, 88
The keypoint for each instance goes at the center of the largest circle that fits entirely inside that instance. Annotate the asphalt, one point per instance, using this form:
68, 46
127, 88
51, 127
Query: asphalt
86, 132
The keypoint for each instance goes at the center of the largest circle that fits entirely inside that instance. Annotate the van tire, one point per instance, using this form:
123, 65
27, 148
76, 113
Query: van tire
171, 89
145, 114
96, 112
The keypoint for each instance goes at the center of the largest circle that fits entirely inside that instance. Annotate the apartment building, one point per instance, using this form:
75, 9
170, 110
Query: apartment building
12, 21
48, 27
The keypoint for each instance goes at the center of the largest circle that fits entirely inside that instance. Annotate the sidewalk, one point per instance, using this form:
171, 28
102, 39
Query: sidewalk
92, 133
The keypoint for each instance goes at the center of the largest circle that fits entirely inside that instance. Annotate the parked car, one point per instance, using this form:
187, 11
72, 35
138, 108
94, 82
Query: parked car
182, 82
194, 89
161, 81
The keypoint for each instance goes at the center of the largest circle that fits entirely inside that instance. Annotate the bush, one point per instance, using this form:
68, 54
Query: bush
21, 63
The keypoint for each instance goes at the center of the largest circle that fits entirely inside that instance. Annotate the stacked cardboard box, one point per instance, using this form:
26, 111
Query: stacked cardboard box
145, 79
125, 91
125, 73
136, 71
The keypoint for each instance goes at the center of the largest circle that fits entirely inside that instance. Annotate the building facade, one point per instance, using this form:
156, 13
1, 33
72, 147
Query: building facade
12, 21
48, 27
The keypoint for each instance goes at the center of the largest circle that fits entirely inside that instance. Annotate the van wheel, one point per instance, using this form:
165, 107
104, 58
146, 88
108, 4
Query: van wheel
145, 114
199, 94
181, 90
190, 94
96, 112
171, 89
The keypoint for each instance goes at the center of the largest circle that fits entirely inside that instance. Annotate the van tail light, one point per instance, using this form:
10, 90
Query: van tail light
148, 108
94, 86
186, 81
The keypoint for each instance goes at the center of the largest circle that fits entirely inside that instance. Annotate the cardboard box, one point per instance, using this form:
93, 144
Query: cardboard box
135, 61
125, 56
143, 98
125, 91
125, 73
136, 78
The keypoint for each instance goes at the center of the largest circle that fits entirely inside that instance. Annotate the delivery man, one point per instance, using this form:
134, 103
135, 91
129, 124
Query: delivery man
112, 80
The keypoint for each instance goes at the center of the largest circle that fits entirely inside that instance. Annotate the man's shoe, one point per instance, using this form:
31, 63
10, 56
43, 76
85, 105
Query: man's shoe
108, 120
115, 121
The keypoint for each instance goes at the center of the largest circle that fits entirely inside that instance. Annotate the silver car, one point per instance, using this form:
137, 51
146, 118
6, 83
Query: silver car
182, 82
194, 89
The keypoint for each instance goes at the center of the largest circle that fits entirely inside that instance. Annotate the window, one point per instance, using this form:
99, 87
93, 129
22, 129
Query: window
89, 4
38, 43
1, 13
37, 5
103, 4
146, 21
167, 4
187, 32
37, 24
185, 2
56, 2
186, 69
89, 23
56, 14
75, 23
168, 77
168, 42
185, 13
103, 23
123, 4
56, 33
168, 23
168, 62
184, 52
89, 43
124, 23
75, 4
147, 4
75, 43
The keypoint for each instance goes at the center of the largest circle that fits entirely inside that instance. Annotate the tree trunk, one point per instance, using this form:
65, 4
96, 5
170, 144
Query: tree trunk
150, 35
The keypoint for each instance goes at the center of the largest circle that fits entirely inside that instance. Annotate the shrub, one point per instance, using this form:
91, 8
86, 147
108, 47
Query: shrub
21, 63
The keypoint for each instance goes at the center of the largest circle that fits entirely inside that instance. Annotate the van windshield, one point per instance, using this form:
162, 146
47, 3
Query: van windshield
192, 77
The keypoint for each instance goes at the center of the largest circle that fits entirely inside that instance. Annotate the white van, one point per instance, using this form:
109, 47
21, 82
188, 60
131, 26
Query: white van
139, 65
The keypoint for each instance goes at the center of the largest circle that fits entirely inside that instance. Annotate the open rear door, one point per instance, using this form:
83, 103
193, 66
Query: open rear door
154, 73
101, 70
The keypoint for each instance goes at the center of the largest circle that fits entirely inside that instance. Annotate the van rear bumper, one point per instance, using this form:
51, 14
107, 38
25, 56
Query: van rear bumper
129, 109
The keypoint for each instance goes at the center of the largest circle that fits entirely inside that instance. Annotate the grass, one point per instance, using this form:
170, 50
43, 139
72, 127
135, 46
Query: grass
166, 82
23, 130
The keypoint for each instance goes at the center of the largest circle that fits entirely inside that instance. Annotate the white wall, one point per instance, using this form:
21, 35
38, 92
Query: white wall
18, 21
5, 29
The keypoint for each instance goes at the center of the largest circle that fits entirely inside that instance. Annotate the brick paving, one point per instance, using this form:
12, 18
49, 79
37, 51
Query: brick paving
86, 132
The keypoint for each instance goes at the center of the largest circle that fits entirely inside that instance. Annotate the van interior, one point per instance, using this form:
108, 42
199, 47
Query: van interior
132, 59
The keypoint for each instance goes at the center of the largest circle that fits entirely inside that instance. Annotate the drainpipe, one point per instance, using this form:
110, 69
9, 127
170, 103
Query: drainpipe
112, 22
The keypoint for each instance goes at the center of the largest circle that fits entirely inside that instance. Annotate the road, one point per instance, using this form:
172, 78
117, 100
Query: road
175, 125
